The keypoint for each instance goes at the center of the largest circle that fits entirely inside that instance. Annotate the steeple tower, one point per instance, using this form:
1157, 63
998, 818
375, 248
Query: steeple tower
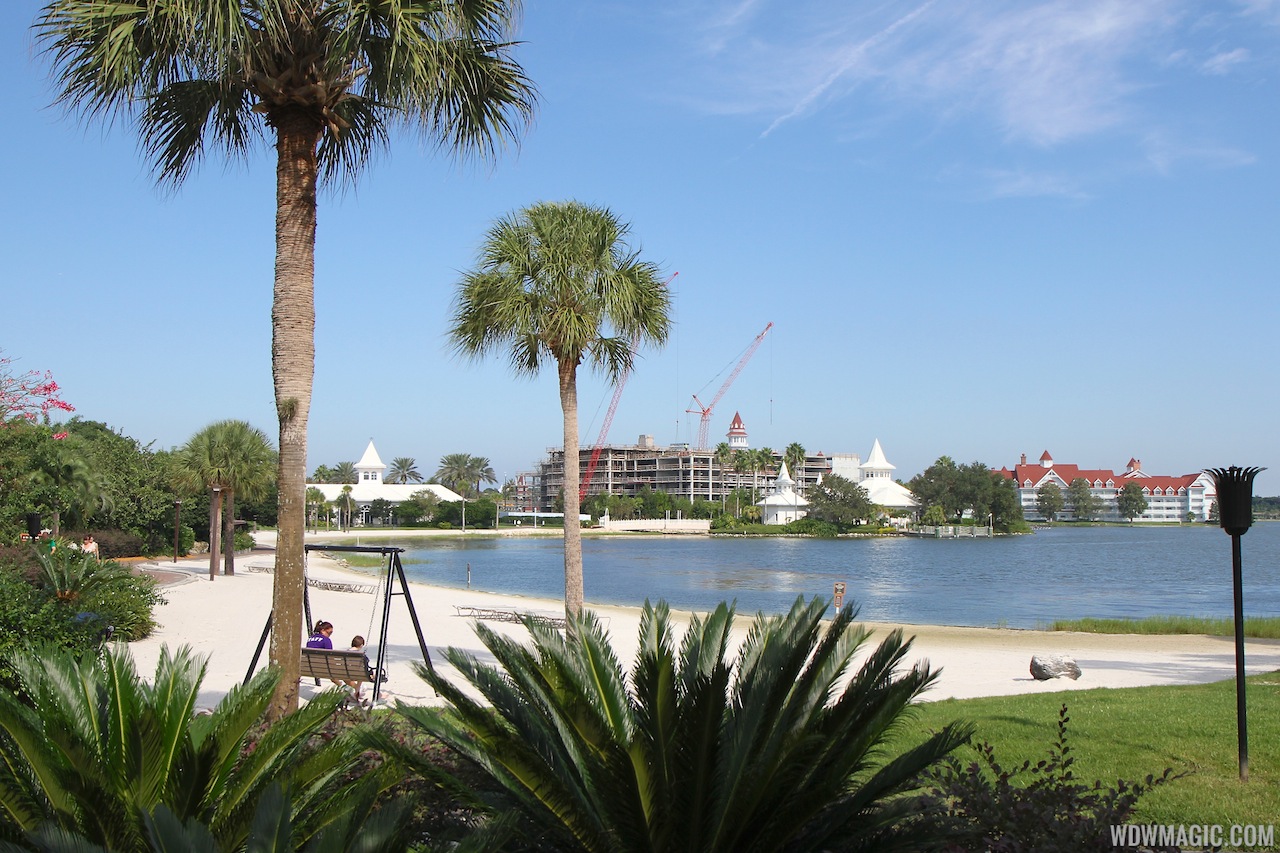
370, 468
737, 433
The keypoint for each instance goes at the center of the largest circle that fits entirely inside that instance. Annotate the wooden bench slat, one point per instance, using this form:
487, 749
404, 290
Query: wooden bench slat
334, 665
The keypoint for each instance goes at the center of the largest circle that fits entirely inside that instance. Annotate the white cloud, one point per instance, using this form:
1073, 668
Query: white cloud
1016, 183
1044, 72
1222, 63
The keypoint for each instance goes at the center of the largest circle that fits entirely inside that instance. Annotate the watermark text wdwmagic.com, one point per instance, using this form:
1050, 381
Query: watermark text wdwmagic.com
1195, 835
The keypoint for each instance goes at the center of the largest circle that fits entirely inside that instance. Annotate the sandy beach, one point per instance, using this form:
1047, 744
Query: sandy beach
224, 619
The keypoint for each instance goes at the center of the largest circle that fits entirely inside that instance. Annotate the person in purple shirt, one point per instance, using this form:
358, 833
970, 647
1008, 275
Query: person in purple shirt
320, 634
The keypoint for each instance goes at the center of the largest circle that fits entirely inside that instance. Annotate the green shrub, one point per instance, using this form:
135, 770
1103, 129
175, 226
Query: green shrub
114, 544
244, 540
21, 558
1040, 807
444, 525
127, 606
813, 527
34, 618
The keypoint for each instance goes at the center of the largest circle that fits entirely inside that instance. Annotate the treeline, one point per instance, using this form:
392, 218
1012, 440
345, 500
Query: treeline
84, 477
1266, 507
950, 493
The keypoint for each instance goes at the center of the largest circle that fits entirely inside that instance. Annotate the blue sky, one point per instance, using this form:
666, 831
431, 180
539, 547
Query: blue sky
980, 229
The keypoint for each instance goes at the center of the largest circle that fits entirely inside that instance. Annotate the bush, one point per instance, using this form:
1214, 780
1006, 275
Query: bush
23, 559
244, 540
813, 527
114, 544
33, 618
1034, 807
126, 605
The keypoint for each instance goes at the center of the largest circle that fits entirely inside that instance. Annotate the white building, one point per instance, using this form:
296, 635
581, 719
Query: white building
876, 476
369, 487
782, 505
1169, 499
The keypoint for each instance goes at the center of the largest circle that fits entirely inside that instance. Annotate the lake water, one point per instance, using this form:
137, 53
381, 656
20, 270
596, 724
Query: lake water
1017, 581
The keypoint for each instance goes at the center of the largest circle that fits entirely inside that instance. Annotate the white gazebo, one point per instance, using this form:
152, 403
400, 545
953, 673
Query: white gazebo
876, 476
369, 487
783, 505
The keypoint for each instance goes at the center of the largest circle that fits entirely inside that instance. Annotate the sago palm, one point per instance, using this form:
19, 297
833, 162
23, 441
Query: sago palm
781, 745
324, 83
94, 750
557, 282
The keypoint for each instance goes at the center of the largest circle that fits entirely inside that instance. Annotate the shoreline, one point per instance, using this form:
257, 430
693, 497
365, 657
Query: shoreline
224, 620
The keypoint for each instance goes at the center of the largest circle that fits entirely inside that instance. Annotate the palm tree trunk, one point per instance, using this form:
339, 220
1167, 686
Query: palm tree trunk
229, 535
293, 366
573, 593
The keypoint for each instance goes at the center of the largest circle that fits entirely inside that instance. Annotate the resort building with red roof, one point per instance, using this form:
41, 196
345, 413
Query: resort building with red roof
1170, 499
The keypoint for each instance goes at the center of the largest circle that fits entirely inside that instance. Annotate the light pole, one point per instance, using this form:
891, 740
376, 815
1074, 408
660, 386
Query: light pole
215, 531
1234, 487
177, 522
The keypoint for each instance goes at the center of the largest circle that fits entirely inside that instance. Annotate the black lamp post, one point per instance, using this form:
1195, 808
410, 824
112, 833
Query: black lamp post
1234, 486
177, 521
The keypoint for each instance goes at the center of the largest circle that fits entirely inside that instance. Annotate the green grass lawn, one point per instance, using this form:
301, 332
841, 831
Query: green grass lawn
1263, 627
1132, 732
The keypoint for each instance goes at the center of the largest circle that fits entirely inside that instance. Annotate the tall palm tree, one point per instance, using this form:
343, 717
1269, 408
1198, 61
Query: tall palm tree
785, 742
344, 472
315, 504
795, 457
93, 749
558, 282
404, 469
345, 507
322, 81
484, 472
457, 471
724, 455
741, 465
231, 458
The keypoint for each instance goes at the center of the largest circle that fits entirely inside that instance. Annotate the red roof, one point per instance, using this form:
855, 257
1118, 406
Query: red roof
737, 427
1068, 473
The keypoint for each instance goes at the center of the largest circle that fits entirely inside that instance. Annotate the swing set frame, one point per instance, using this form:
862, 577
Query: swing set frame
393, 570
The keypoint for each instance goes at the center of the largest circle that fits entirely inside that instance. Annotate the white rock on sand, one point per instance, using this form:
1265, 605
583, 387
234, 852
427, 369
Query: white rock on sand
224, 619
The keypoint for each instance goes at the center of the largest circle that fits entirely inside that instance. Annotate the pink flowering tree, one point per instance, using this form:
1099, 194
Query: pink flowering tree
30, 395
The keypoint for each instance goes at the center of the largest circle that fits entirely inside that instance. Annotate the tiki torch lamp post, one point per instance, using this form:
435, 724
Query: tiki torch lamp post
1234, 486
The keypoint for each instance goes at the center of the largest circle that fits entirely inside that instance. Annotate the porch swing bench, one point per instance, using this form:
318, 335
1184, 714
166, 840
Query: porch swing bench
330, 665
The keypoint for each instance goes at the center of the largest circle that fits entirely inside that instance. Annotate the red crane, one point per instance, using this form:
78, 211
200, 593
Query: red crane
706, 410
613, 409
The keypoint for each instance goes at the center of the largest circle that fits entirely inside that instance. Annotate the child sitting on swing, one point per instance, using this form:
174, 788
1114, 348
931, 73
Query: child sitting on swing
357, 645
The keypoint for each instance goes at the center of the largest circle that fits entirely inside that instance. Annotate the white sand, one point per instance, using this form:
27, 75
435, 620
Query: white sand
224, 619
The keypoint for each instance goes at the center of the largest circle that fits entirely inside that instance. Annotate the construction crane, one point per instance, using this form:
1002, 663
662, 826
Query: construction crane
705, 411
613, 409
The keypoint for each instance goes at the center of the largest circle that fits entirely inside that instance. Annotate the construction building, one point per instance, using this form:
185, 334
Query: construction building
677, 469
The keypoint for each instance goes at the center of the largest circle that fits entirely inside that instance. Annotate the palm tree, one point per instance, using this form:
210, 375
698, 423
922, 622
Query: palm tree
795, 457
458, 471
558, 282
742, 464
94, 750
230, 458
345, 507
324, 82
64, 480
404, 469
723, 455
344, 472
315, 503
784, 744
484, 473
